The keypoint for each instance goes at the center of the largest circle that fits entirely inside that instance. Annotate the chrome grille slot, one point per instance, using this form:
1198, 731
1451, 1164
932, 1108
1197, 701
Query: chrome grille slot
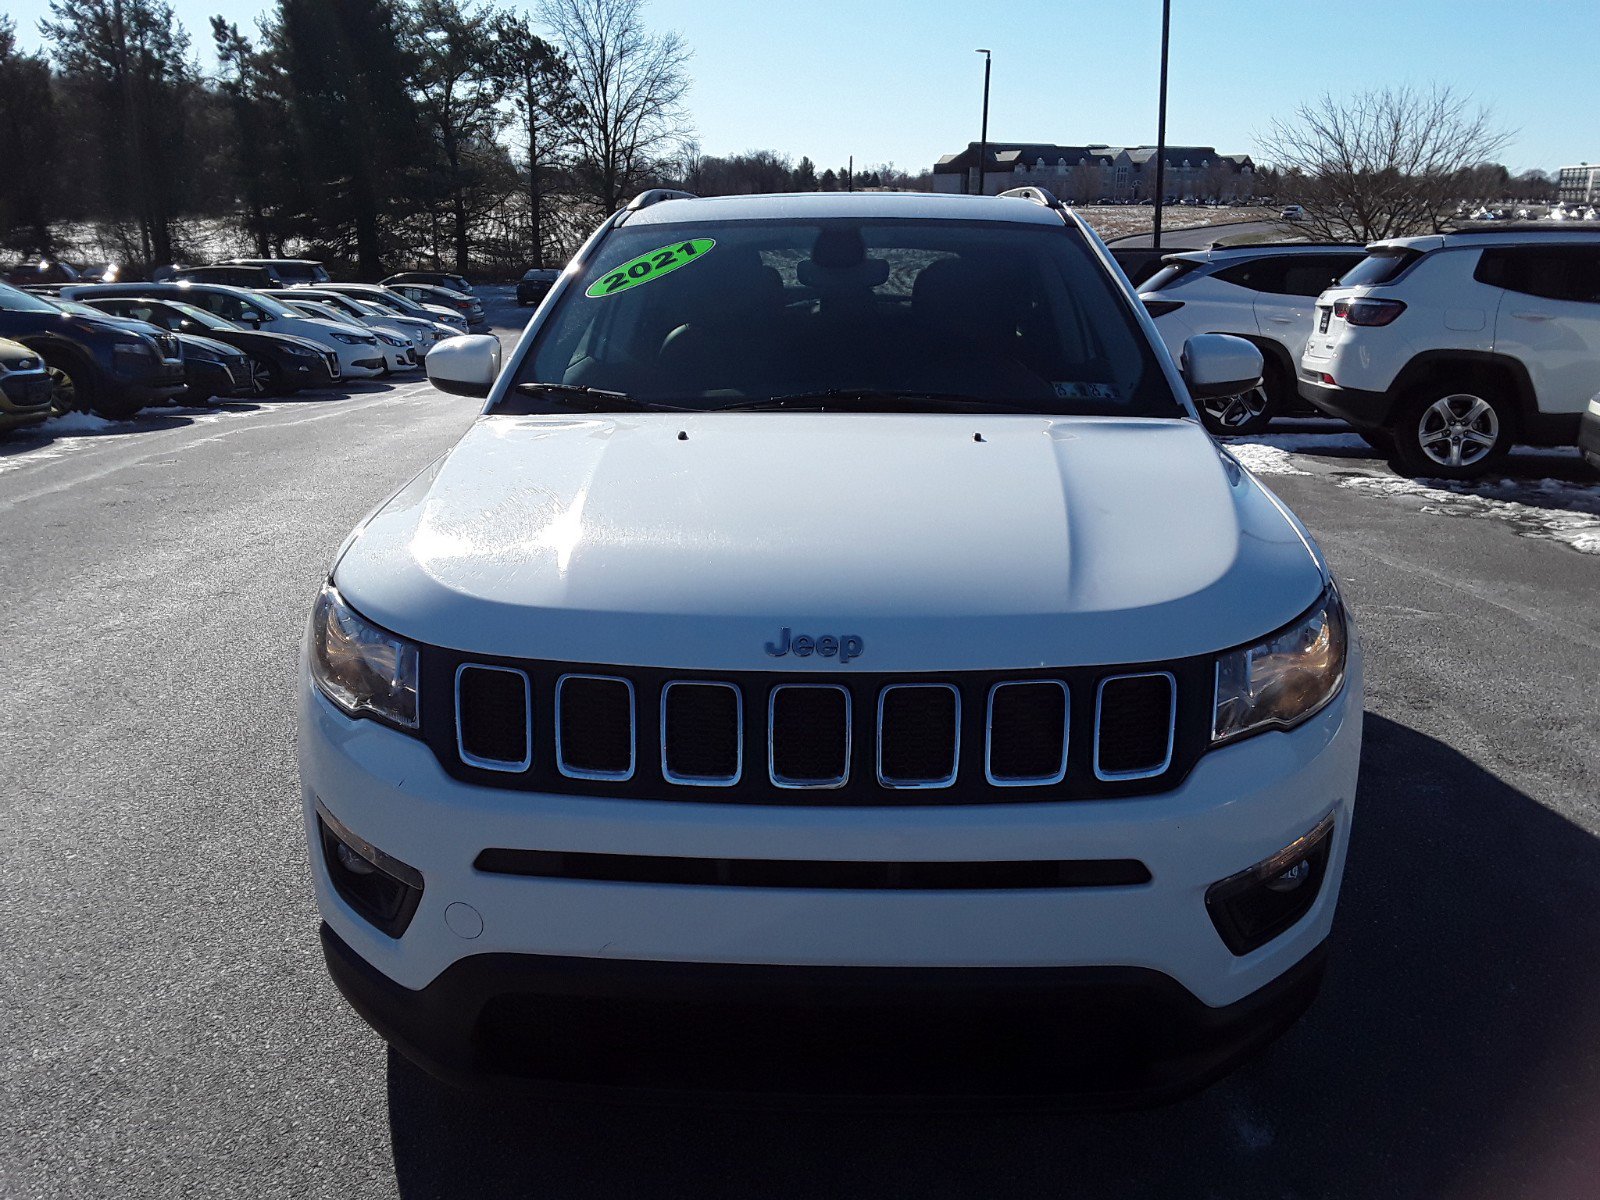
702, 734
808, 735
1027, 733
919, 735
494, 717
1134, 723
595, 727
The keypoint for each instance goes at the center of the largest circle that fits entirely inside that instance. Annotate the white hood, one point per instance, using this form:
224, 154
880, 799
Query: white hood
616, 539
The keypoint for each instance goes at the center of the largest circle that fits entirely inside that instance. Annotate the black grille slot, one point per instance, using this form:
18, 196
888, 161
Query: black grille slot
918, 735
494, 727
810, 735
800, 873
702, 732
1133, 727
1027, 733
594, 727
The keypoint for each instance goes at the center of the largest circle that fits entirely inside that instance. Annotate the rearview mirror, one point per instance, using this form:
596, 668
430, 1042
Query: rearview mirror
1219, 364
465, 365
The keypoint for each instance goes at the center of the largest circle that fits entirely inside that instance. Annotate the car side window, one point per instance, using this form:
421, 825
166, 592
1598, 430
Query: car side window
1258, 274
1312, 275
1570, 273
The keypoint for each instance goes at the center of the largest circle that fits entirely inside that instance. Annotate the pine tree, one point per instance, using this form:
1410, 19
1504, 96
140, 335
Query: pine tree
805, 176
830, 181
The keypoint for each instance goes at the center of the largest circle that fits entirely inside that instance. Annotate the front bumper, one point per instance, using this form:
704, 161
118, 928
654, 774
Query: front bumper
1098, 1036
1364, 410
24, 398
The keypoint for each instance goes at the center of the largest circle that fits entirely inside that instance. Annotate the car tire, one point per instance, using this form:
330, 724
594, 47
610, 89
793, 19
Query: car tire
1250, 413
261, 382
1380, 440
76, 389
1452, 431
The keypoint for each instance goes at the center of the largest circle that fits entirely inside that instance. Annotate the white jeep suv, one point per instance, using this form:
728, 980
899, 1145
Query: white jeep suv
1262, 293
1448, 349
836, 658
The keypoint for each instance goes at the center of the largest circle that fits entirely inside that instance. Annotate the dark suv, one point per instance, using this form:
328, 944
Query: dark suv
444, 279
234, 275
106, 365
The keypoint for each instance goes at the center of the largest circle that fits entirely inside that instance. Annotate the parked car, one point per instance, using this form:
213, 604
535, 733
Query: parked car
700, 677
1589, 432
1292, 212
357, 351
447, 321
25, 387
1262, 293
42, 271
280, 364
255, 278
535, 284
469, 307
422, 333
96, 364
1449, 349
444, 279
290, 271
399, 352
211, 369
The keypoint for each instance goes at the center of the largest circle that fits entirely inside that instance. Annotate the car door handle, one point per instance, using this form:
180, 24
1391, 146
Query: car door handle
1533, 316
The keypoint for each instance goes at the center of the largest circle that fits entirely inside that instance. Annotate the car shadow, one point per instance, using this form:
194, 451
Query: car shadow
1451, 1053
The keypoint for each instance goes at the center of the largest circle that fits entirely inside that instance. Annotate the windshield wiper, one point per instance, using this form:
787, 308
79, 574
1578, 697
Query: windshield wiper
873, 400
591, 399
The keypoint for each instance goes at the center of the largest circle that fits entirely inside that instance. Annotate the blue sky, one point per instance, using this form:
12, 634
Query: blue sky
897, 80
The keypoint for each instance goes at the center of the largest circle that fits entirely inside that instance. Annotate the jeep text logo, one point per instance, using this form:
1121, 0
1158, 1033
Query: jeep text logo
804, 646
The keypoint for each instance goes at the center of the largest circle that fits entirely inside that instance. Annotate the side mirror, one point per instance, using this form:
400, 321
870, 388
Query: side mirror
1219, 364
250, 316
465, 365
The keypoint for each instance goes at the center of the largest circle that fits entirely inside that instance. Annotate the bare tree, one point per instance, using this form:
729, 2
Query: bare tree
1383, 163
537, 79
627, 85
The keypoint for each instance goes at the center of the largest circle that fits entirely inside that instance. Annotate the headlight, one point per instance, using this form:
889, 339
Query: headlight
1283, 680
349, 339
124, 357
358, 666
390, 340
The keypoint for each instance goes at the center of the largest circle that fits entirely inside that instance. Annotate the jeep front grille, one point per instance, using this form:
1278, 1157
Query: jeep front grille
843, 737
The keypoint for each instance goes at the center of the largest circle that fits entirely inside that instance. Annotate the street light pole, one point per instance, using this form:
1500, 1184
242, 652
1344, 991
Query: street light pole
983, 146
1161, 128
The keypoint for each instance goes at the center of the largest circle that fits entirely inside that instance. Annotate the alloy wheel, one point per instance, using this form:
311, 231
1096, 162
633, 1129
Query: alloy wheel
63, 393
1458, 430
1233, 412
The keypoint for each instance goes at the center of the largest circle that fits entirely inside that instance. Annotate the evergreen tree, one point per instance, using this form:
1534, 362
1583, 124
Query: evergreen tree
830, 181
805, 176
28, 134
539, 81
348, 79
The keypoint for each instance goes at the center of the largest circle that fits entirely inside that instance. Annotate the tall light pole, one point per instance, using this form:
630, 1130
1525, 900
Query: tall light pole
1161, 127
983, 145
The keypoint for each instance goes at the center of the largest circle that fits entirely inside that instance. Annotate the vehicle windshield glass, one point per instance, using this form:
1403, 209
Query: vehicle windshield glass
719, 314
201, 317
397, 303
1378, 267
15, 300
293, 272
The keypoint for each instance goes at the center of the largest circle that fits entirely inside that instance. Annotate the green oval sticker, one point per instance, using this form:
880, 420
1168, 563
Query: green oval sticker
649, 266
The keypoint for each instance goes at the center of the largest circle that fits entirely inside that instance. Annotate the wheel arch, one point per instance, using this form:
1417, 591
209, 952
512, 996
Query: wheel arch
1499, 371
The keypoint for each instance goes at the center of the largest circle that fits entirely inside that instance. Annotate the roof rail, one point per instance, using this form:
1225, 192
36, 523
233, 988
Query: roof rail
1285, 244
656, 196
1037, 194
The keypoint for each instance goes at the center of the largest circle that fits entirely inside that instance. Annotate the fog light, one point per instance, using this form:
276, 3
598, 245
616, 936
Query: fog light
1256, 905
384, 890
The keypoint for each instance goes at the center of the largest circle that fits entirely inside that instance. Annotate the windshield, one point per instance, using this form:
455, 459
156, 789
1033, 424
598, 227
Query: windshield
15, 300
720, 314
200, 316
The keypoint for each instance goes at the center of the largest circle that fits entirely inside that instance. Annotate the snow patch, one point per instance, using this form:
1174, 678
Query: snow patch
79, 422
1259, 459
1549, 509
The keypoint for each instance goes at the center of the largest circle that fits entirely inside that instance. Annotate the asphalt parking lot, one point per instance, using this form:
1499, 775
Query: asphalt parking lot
169, 1028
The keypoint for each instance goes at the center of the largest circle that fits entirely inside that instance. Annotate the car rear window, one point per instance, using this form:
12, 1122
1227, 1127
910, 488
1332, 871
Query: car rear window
1169, 274
1381, 266
715, 314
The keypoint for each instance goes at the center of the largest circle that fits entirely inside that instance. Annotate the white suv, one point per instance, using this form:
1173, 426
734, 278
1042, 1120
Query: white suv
836, 648
1448, 349
1263, 293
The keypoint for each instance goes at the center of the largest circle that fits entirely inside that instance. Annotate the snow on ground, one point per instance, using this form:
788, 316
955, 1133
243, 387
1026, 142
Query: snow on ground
1552, 509
1261, 459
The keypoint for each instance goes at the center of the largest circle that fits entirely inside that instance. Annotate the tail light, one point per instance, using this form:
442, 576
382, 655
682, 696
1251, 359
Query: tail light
1368, 312
1160, 308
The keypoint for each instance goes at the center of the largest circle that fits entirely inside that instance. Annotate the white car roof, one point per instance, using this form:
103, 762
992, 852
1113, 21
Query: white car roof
816, 205
1515, 236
